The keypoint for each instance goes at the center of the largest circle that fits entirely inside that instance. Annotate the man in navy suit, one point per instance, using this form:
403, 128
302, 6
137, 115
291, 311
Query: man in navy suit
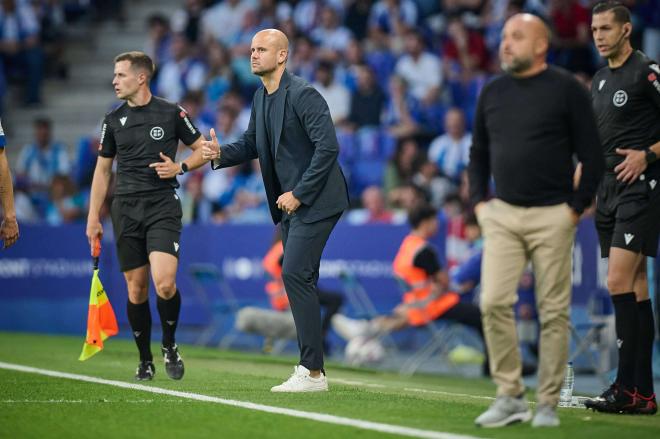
292, 134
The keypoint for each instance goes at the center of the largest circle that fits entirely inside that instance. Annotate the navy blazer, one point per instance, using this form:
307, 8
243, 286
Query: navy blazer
306, 151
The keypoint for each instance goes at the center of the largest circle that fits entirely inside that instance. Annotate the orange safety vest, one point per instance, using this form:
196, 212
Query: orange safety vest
275, 287
422, 307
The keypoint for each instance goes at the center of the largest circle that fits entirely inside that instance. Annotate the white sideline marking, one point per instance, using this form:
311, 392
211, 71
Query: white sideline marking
319, 417
80, 401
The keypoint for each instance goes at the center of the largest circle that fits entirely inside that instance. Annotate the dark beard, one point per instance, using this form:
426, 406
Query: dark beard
517, 65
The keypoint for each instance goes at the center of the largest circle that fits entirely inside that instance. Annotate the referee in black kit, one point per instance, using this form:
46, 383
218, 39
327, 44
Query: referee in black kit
143, 134
626, 99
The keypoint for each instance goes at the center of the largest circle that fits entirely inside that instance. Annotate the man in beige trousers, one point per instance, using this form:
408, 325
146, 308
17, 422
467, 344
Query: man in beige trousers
529, 124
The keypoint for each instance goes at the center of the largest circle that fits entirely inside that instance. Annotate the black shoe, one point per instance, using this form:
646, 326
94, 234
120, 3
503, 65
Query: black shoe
616, 399
145, 371
645, 406
173, 362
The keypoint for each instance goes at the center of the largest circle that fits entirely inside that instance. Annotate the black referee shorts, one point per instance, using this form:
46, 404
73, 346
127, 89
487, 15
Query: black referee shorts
143, 224
628, 216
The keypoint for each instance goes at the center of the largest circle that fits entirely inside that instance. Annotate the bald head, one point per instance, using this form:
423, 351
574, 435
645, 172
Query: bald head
275, 37
270, 50
531, 24
524, 45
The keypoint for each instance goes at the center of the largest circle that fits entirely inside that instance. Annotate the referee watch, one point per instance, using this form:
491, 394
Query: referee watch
184, 168
650, 156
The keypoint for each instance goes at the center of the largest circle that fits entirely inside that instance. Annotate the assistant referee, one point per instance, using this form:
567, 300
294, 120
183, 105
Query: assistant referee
626, 100
143, 134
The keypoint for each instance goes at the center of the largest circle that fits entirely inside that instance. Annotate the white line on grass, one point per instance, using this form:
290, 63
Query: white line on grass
90, 401
319, 417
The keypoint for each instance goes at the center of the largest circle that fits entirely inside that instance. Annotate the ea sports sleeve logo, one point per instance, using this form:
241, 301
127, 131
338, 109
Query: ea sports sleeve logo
620, 98
157, 133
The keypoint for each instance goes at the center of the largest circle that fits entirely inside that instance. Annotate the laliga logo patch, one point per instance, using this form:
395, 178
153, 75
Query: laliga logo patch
157, 133
620, 98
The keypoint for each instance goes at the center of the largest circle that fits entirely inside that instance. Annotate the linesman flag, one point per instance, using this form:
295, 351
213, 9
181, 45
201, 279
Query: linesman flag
101, 321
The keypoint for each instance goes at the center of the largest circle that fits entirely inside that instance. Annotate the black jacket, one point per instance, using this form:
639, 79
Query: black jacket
305, 152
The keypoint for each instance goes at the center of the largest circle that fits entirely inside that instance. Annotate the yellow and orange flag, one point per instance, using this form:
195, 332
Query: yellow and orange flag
101, 321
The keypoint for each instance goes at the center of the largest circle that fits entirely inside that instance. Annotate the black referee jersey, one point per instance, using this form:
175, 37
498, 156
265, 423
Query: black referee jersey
136, 135
626, 101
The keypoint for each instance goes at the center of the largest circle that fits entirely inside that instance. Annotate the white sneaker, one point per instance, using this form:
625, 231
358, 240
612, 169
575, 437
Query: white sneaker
300, 381
506, 410
348, 329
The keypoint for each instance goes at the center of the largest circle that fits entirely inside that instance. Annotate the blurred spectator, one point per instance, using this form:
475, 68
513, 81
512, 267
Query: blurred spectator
392, 19
188, 20
400, 170
367, 101
249, 203
240, 41
39, 162
65, 205
421, 70
649, 12
436, 187
50, 14
469, 9
464, 51
182, 73
19, 47
159, 41
374, 211
195, 207
400, 111
86, 154
357, 18
224, 19
330, 35
225, 125
306, 15
234, 100
267, 12
220, 76
457, 245
193, 103
353, 58
451, 151
571, 37
303, 62
335, 94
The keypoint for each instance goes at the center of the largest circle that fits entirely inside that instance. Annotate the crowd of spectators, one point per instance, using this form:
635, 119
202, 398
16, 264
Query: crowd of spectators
33, 39
401, 78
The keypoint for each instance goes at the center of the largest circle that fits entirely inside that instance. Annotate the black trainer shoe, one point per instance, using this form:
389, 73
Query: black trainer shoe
616, 399
645, 405
173, 362
145, 371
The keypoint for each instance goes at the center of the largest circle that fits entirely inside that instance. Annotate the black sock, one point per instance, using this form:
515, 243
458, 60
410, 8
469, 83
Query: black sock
169, 317
139, 318
627, 333
644, 368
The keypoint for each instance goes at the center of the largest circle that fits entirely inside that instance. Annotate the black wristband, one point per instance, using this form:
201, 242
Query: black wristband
184, 168
650, 156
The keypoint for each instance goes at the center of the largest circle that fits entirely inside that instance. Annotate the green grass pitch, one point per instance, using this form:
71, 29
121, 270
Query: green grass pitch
36, 406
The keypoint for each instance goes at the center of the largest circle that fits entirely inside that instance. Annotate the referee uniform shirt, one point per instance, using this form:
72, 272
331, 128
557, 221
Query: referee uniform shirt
626, 101
146, 212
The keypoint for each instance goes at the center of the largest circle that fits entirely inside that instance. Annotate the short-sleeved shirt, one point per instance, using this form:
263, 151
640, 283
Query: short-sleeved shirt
2, 136
626, 101
137, 135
